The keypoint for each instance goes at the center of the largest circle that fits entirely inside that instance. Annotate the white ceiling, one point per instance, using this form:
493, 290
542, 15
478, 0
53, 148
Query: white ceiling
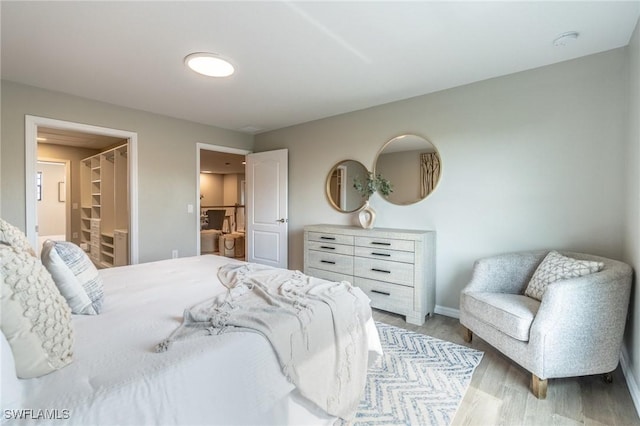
295, 61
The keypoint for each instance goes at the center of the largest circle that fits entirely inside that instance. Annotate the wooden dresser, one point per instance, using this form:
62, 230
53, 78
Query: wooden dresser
394, 267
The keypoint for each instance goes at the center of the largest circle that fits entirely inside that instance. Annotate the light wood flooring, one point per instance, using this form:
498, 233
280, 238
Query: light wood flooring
499, 391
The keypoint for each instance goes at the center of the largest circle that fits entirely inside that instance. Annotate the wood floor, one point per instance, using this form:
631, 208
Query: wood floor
499, 391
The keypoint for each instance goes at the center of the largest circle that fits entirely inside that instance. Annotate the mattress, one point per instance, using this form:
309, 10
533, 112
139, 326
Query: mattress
117, 377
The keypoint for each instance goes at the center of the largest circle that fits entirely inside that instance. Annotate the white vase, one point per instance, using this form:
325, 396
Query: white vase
367, 216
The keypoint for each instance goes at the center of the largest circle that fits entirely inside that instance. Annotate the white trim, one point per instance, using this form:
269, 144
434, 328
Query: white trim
31, 156
449, 312
207, 147
634, 390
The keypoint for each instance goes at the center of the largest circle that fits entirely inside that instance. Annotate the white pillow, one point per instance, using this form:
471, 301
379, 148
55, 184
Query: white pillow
556, 267
36, 320
75, 275
11, 386
14, 237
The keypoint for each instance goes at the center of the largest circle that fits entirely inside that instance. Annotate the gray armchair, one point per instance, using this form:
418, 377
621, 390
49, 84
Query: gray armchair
576, 329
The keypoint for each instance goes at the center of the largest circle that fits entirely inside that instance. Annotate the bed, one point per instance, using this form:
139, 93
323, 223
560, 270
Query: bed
117, 377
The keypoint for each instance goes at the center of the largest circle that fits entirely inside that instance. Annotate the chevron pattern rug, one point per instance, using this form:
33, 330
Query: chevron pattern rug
419, 381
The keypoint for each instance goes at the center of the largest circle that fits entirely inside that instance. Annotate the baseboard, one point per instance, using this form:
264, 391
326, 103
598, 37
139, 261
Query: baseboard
448, 312
634, 390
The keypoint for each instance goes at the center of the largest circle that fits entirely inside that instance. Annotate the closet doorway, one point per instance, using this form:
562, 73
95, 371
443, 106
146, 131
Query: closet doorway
221, 221
54, 215
91, 205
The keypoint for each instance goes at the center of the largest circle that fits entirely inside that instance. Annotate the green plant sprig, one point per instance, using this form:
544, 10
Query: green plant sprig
372, 184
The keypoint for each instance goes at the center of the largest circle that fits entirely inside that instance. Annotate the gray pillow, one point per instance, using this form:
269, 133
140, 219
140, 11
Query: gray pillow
75, 275
556, 267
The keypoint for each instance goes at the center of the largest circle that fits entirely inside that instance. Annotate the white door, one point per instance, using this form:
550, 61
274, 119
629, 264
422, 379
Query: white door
267, 223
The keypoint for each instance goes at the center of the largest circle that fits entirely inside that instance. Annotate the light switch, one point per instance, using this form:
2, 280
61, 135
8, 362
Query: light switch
189, 208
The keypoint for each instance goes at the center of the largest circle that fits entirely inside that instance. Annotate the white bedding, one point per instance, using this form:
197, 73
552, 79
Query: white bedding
117, 377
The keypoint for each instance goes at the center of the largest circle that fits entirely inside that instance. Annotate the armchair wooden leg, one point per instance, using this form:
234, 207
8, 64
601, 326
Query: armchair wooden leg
467, 334
538, 387
608, 377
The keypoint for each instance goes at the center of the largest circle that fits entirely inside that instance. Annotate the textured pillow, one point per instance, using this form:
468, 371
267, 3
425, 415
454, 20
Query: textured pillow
556, 267
14, 237
35, 318
75, 276
10, 385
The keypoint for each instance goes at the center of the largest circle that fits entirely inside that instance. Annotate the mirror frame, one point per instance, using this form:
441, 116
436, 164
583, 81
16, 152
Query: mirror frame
389, 142
328, 187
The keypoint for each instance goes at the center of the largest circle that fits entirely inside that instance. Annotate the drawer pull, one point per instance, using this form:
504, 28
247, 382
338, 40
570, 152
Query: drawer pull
384, 293
373, 253
380, 270
378, 243
328, 238
327, 247
330, 262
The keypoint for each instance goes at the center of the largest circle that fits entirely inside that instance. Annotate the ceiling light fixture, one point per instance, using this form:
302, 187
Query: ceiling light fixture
566, 38
209, 64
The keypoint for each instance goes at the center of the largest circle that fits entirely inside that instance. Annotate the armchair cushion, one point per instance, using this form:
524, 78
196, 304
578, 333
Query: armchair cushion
511, 314
556, 267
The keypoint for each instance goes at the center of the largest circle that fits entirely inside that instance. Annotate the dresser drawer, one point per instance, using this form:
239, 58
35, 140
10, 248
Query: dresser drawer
328, 275
386, 243
383, 270
389, 297
385, 254
339, 263
330, 247
331, 238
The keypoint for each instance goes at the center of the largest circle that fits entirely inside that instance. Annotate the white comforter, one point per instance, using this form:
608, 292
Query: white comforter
117, 377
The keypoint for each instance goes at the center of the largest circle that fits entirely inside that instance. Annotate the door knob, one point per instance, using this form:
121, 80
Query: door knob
282, 220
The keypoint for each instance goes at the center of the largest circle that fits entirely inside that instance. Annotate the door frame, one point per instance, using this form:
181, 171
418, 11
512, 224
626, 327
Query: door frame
67, 189
209, 147
32, 123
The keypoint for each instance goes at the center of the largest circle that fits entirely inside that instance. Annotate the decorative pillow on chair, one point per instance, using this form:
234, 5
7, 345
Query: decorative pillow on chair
35, 318
14, 237
75, 275
556, 267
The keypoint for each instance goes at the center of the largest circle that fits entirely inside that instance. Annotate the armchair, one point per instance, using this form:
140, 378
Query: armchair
575, 330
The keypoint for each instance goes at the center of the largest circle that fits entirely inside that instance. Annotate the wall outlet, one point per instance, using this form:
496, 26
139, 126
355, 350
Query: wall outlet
174, 254
74, 235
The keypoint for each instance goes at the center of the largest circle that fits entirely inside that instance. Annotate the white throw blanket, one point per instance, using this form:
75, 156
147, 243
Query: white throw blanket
316, 328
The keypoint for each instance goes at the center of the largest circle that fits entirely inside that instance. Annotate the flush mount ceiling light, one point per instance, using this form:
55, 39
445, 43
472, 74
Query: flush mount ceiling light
566, 38
209, 64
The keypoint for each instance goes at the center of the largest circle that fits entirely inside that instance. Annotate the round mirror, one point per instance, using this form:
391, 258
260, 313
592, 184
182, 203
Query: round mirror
412, 165
340, 191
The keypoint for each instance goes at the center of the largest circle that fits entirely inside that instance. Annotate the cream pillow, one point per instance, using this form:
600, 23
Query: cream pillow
556, 267
10, 384
14, 237
75, 276
35, 318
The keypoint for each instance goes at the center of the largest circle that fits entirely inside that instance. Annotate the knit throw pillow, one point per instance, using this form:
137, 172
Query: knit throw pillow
75, 276
35, 318
556, 267
14, 237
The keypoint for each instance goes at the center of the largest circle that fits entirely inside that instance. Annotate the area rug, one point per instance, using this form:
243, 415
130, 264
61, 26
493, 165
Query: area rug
419, 381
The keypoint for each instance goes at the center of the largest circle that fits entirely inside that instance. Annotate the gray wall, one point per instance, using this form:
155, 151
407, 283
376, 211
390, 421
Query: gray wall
529, 161
548, 158
166, 162
632, 197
